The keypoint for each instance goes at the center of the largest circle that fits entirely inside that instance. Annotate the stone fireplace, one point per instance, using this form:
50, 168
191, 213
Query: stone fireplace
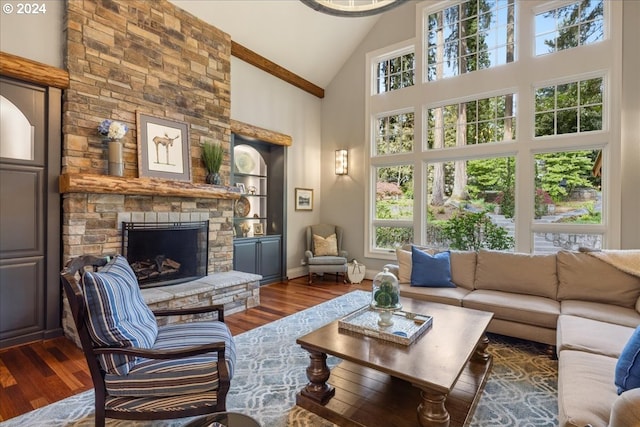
94, 211
126, 58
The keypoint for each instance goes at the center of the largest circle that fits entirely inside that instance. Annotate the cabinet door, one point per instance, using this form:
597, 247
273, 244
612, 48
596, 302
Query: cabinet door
270, 257
245, 256
23, 211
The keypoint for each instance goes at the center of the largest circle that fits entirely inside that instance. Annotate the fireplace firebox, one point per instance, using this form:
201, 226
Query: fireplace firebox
166, 253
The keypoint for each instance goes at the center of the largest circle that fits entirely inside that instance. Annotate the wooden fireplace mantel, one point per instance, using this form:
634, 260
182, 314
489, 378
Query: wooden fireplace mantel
107, 184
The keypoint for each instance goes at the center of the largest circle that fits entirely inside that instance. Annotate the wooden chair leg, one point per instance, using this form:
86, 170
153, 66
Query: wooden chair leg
99, 417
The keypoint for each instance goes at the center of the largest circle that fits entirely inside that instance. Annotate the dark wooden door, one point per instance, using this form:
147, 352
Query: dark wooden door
23, 178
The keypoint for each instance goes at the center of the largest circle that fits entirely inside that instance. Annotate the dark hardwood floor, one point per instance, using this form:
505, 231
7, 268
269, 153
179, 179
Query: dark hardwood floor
35, 375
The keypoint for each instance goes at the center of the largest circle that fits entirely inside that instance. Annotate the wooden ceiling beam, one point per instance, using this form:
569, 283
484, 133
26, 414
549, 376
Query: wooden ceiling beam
32, 71
274, 69
262, 134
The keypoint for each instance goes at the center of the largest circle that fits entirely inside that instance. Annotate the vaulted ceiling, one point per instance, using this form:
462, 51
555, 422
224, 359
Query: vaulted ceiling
308, 43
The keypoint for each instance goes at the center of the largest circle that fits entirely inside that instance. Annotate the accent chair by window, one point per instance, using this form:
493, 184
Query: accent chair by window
324, 251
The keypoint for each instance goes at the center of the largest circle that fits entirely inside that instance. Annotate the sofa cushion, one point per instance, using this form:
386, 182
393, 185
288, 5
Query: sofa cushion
118, 315
525, 331
451, 296
579, 333
196, 374
585, 388
328, 260
628, 366
602, 312
626, 409
325, 246
584, 277
530, 309
463, 268
516, 272
430, 270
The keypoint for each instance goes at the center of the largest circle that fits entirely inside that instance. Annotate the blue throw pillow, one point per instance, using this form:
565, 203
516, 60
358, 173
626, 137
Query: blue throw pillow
430, 271
118, 315
628, 366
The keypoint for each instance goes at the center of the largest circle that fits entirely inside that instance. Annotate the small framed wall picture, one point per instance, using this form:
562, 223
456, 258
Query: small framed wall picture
258, 229
304, 199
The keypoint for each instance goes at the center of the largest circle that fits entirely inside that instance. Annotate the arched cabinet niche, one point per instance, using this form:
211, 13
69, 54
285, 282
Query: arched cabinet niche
258, 169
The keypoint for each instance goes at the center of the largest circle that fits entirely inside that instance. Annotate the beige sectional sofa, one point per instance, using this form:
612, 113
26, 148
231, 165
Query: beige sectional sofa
582, 304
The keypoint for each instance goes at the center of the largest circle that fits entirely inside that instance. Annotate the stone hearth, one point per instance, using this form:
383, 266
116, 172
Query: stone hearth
236, 290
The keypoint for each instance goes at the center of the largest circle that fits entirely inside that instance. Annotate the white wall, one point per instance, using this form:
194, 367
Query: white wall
262, 100
630, 134
343, 126
34, 36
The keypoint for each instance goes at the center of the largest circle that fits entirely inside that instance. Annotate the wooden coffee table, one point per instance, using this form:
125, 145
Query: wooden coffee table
435, 381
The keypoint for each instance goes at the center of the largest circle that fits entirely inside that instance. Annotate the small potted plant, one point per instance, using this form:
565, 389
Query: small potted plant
212, 155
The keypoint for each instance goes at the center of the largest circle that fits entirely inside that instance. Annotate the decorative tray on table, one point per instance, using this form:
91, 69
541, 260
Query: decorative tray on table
406, 328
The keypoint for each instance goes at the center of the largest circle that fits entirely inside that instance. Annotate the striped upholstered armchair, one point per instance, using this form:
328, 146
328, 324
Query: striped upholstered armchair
142, 371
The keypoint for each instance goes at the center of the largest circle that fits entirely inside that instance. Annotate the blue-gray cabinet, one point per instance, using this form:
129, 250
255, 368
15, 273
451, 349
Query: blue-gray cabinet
258, 169
259, 255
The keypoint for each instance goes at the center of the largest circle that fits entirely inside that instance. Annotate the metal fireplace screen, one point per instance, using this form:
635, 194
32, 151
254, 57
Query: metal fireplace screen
166, 253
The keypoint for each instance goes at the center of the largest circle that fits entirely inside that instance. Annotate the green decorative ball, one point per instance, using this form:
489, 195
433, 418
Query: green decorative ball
383, 299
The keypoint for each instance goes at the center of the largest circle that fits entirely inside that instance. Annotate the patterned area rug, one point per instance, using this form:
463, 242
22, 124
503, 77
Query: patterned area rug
270, 370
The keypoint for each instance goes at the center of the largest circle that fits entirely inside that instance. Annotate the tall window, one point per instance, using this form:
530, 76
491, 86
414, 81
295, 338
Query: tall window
513, 157
569, 26
393, 206
469, 36
569, 108
473, 122
395, 73
479, 215
394, 134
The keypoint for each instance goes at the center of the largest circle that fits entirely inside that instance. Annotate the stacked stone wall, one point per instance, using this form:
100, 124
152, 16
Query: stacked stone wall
151, 57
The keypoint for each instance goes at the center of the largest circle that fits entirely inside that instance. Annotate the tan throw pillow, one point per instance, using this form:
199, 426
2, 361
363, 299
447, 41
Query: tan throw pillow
325, 246
404, 265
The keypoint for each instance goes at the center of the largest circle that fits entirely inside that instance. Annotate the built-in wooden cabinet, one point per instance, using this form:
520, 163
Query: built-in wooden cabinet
259, 255
258, 168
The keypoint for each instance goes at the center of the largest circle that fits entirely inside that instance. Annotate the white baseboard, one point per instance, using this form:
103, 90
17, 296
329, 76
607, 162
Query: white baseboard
297, 272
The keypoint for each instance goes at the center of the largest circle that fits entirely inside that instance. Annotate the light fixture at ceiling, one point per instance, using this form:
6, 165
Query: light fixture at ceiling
352, 7
342, 162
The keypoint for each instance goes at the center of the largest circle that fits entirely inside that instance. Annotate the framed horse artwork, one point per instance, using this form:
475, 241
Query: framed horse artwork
163, 148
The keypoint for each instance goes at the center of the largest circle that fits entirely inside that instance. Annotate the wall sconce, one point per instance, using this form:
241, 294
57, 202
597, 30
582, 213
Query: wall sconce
342, 162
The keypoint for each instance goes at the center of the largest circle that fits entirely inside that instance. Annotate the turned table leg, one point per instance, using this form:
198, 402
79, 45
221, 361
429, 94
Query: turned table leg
318, 373
481, 354
431, 410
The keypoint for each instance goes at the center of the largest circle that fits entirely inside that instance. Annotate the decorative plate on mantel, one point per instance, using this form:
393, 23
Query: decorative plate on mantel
242, 207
